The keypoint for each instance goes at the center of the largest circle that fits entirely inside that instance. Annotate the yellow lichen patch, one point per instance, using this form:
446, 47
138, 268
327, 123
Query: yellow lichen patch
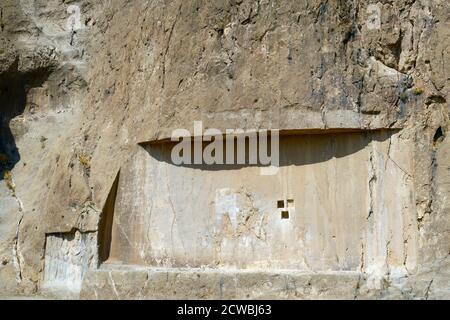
85, 161
418, 91
7, 176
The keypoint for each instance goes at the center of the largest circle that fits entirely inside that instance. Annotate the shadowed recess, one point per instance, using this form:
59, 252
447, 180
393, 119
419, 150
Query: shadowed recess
13, 99
329, 144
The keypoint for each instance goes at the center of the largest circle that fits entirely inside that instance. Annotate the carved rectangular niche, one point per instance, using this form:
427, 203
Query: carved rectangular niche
67, 258
340, 201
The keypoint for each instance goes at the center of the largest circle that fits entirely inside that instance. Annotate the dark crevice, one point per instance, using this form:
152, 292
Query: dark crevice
396, 50
2, 25
435, 99
350, 35
371, 112
106, 223
220, 31
438, 136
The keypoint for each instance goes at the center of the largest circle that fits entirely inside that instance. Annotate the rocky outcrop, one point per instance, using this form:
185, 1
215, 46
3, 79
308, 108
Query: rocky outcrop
83, 85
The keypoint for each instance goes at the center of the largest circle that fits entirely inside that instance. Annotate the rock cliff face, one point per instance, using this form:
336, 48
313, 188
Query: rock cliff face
91, 202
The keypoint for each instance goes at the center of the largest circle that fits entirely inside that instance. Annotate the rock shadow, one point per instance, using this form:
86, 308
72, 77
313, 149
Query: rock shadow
294, 149
13, 100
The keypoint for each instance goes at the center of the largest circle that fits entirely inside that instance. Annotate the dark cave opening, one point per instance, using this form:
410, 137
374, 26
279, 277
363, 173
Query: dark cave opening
13, 99
12, 104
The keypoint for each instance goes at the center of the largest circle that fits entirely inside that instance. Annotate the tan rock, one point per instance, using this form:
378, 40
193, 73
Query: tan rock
83, 90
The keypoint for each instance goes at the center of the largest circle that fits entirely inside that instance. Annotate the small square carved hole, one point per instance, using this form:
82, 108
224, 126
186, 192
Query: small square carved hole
285, 215
290, 203
280, 204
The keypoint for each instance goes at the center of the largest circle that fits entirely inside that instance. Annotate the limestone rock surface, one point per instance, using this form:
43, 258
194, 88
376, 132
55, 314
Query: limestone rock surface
85, 85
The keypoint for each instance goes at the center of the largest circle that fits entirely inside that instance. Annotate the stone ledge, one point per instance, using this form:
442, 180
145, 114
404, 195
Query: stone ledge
133, 282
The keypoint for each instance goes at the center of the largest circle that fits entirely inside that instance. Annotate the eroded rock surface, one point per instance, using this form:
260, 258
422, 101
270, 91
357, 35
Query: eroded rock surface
84, 85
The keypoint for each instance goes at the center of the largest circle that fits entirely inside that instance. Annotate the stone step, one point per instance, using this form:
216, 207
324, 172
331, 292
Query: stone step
136, 282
